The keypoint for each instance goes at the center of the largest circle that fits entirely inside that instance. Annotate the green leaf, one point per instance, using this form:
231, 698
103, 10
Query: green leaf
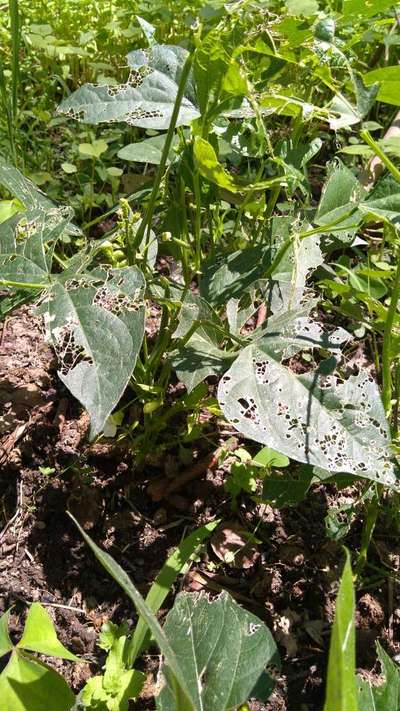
93, 150
164, 581
341, 691
146, 100
306, 8
26, 683
340, 195
69, 168
96, 324
31, 197
147, 151
199, 358
268, 457
386, 696
360, 8
207, 163
184, 700
8, 208
312, 418
389, 83
283, 489
223, 651
40, 636
229, 275
5, 642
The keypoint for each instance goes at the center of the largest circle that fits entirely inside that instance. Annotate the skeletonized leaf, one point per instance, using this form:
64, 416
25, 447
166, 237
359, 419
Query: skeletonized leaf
32, 197
146, 100
96, 324
312, 418
223, 651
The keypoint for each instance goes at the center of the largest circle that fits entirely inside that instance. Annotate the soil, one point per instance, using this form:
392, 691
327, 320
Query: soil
48, 468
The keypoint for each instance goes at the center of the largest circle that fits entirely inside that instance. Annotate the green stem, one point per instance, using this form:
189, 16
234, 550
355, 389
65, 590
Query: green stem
371, 517
387, 343
366, 136
22, 284
147, 220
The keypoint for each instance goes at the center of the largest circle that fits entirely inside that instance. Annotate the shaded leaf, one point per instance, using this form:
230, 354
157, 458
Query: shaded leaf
222, 649
26, 683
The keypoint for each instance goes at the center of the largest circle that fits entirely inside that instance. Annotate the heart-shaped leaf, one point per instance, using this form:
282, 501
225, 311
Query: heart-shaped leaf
222, 649
312, 418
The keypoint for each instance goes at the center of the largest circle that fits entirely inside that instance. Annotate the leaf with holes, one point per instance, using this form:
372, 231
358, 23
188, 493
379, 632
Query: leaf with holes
32, 198
312, 418
222, 649
146, 100
96, 324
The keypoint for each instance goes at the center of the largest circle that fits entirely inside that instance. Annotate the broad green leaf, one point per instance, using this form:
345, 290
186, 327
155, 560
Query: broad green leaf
93, 150
268, 457
306, 8
229, 275
8, 208
40, 636
340, 195
184, 700
199, 358
164, 581
389, 83
312, 418
354, 8
287, 488
209, 166
5, 642
96, 324
386, 696
341, 690
147, 105
147, 151
223, 651
26, 683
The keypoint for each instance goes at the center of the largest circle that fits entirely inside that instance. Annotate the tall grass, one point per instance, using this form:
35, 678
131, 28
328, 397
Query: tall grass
9, 93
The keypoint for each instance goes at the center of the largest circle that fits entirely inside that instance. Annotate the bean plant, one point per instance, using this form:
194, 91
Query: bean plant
270, 287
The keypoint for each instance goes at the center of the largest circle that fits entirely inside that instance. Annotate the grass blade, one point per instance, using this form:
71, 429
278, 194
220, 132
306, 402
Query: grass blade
163, 582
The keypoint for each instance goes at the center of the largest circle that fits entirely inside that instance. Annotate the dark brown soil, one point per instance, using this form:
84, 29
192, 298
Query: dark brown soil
48, 468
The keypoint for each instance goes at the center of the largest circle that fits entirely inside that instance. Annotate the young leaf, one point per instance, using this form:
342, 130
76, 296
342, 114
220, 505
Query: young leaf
312, 418
40, 636
341, 691
223, 651
147, 151
5, 642
386, 696
183, 699
164, 581
26, 683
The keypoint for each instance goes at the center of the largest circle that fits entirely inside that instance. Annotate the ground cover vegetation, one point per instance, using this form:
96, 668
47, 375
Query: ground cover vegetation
200, 282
